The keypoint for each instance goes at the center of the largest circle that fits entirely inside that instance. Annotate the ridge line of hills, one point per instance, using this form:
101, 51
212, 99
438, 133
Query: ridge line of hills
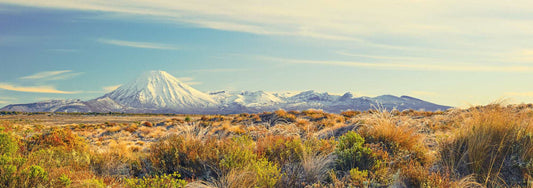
160, 92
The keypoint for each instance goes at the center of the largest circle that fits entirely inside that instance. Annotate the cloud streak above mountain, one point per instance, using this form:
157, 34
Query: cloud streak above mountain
52, 75
45, 74
34, 89
404, 66
135, 44
111, 88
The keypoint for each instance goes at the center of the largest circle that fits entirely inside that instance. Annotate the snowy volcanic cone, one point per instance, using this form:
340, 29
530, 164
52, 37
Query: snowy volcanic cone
160, 90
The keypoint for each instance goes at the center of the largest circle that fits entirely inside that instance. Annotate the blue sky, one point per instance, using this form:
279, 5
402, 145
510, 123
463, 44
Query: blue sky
449, 52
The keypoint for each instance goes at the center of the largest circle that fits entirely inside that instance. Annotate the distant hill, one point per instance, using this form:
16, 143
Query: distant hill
160, 92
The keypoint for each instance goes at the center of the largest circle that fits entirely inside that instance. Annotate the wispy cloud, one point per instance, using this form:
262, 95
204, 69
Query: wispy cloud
52, 75
381, 57
66, 76
189, 81
339, 20
45, 74
110, 88
136, 44
407, 66
193, 83
34, 89
185, 79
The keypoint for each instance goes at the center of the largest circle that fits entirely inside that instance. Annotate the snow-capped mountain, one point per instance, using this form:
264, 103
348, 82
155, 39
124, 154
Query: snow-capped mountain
160, 92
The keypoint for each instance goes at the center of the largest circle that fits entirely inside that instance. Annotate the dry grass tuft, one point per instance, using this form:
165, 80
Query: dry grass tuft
493, 143
382, 128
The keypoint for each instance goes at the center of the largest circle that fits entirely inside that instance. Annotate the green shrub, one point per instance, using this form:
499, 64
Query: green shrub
8, 175
241, 157
57, 157
65, 180
10, 163
281, 150
35, 176
165, 180
8, 144
352, 154
359, 178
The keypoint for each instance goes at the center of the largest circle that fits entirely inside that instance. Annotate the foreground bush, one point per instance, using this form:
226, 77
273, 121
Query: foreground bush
191, 157
14, 171
241, 157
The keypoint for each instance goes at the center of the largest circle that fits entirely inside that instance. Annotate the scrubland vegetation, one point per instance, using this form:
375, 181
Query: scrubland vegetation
486, 146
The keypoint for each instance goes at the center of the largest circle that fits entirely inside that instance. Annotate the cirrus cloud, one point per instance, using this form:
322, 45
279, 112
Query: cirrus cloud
34, 89
111, 88
52, 75
136, 44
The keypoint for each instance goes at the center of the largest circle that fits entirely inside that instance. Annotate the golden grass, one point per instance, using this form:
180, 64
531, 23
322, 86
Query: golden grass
487, 142
488, 146
383, 128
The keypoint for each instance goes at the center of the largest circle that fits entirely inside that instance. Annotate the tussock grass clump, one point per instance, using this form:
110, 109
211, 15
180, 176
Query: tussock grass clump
350, 113
396, 139
493, 144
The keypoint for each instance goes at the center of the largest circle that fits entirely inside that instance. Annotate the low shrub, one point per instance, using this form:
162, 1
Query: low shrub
165, 180
359, 178
56, 137
190, 157
280, 150
8, 144
352, 154
240, 156
350, 113
64, 180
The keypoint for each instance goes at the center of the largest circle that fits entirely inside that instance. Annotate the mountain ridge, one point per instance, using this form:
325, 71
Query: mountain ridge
160, 92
